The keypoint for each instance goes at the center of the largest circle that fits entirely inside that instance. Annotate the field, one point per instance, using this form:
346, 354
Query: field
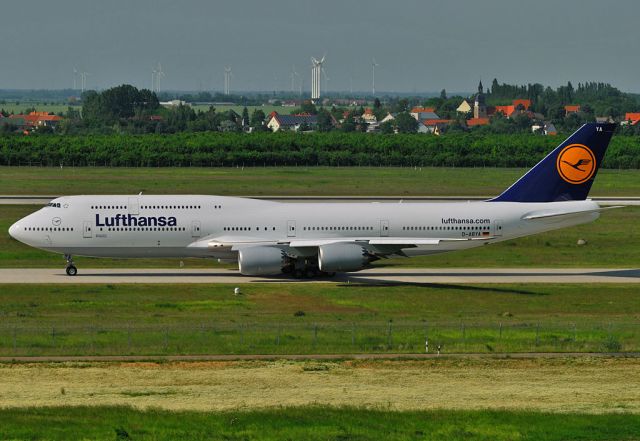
23, 106
316, 319
311, 423
287, 181
267, 109
62, 107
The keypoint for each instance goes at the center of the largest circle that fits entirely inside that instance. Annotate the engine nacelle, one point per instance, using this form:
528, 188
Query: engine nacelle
262, 261
343, 257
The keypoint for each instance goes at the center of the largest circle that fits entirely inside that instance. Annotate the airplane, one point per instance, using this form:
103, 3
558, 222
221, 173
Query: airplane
316, 239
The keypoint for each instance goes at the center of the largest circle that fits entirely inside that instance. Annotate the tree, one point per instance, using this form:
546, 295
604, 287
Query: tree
257, 118
377, 104
245, 117
325, 122
443, 94
406, 123
387, 127
307, 107
120, 102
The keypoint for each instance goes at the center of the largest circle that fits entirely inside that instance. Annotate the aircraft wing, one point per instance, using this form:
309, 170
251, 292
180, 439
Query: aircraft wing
235, 242
403, 242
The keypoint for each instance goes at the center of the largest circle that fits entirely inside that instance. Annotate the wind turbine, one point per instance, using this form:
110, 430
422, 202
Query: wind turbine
83, 80
373, 75
294, 74
75, 75
316, 69
228, 74
159, 75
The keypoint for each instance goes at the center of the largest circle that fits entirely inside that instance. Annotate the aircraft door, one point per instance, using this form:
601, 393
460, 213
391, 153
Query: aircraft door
195, 228
497, 227
384, 228
134, 206
291, 228
87, 229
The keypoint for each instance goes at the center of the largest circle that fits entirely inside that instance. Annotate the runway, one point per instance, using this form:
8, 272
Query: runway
369, 276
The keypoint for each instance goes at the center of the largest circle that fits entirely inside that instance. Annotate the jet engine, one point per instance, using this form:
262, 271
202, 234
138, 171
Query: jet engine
343, 257
262, 261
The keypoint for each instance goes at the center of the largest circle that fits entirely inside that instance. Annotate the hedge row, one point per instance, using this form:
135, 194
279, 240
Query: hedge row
270, 149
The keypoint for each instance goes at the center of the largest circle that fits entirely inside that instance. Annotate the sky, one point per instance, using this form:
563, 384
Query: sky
419, 45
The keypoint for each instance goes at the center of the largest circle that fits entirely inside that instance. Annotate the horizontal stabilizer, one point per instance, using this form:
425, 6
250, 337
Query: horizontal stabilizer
551, 214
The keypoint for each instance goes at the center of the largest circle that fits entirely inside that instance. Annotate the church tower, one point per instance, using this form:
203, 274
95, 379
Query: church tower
479, 107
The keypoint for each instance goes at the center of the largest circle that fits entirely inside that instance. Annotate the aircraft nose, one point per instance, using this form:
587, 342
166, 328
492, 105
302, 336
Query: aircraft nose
13, 230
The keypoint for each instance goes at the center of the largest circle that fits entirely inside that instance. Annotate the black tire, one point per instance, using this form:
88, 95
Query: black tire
72, 270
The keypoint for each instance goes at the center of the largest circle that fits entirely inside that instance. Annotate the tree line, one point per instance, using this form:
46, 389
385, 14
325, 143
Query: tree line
279, 149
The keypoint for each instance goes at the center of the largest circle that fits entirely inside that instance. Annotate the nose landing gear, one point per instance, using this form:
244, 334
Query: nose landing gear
71, 269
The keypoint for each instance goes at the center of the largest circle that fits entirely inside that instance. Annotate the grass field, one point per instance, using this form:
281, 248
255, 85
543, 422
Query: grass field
311, 423
267, 109
585, 385
283, 181
57, 108
610, 243
290, 318
23, 106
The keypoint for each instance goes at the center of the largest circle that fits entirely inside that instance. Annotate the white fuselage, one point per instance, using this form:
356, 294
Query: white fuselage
214, 226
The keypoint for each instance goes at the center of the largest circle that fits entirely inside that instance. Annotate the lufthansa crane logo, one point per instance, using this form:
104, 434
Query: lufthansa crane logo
576, 163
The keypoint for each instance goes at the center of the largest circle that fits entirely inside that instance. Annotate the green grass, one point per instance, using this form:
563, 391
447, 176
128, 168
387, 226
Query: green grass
611, 243
310, 423
23, 106
338, 318
267, 109
283, 181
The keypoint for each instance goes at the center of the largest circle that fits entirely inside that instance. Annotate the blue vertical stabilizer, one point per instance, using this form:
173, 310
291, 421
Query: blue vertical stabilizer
565, 174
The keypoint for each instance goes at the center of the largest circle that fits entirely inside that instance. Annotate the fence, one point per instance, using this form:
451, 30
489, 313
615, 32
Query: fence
316, 338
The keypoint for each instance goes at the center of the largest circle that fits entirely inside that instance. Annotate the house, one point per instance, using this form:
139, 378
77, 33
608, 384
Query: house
464, 107
631, 118
550, 129
473, 122
436, 126
507, 111
291, 122
526, 104
368, 116
38, 119
516, 107
422, 113
389, 117
570, 108
546, 128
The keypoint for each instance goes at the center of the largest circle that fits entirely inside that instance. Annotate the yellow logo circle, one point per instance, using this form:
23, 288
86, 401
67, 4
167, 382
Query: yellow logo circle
576, 163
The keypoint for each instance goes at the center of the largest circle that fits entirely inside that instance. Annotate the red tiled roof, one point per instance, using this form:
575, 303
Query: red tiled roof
368, 111
634, 117
525, 103
433, 122
34, 117
422, 109
572, 108
477, 122
506, 110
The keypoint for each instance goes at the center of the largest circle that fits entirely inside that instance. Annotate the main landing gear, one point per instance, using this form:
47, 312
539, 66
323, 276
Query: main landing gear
71, 269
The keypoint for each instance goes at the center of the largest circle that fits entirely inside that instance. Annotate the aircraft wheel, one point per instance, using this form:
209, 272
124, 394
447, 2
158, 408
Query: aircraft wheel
72, 270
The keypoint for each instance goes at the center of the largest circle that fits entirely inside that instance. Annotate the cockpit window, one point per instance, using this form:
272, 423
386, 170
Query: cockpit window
54, 204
